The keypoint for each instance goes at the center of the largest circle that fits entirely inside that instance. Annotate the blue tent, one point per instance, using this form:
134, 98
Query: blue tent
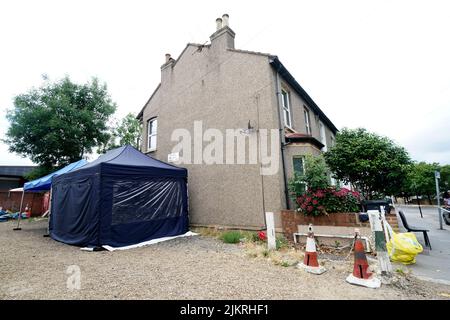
122, 198
45, 183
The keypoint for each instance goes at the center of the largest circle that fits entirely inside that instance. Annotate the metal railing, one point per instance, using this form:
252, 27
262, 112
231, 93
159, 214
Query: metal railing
443, 209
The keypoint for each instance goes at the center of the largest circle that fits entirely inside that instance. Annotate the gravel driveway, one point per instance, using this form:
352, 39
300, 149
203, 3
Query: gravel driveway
34, 267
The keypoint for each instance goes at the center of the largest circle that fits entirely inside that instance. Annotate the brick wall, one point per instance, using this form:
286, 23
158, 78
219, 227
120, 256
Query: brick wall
391, 218
290, 219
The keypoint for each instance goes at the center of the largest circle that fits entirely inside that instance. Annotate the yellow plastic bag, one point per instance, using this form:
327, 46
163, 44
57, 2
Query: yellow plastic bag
403, 247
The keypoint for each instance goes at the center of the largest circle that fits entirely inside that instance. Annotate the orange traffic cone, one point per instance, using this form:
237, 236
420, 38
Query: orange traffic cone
310, 263
361, 276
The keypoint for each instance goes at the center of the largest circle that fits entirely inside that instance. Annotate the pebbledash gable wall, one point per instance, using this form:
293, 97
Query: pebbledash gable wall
202, 86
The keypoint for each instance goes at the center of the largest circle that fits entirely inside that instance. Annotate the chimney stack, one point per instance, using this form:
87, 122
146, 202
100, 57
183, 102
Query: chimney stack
223, 38
218, 24
225, 18
169, 62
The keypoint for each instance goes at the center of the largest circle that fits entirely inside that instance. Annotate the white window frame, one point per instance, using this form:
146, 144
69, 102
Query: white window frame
151, 134
323, 137
286, 108
302, 157
334, 182
307, 120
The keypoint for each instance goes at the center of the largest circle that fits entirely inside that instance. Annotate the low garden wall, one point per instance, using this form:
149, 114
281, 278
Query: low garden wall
11, 201
290, 219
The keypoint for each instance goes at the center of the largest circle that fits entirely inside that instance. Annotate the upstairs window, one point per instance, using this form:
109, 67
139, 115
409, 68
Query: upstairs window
286, 108
307, 120
152, 130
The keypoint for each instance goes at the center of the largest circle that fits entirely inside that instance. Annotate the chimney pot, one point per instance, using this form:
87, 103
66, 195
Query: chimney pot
167, 57
225, 18
218, 23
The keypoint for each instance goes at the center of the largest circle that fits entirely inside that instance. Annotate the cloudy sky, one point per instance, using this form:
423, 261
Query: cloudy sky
383, 65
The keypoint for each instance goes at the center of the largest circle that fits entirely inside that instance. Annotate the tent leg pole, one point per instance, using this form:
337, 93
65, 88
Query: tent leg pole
49, 213
20, 213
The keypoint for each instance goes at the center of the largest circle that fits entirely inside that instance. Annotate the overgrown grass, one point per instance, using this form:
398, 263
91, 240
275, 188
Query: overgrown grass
254, 237
253, 245
208, 232
250, 236
400, 271
281, 242
283, 258
231, 236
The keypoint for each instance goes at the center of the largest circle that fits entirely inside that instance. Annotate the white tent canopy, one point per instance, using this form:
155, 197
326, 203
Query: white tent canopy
16, 190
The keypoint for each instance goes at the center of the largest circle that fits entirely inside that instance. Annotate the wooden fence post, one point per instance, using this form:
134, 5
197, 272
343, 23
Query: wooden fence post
380, 242
270, 224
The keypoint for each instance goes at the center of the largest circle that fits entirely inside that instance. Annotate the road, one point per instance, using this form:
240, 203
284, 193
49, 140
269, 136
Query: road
431, 264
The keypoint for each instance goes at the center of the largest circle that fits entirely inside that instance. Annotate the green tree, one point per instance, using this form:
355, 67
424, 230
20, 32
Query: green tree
421, 179
59, 122
445, 178
316, 172
128, 131
372, 163
38, 172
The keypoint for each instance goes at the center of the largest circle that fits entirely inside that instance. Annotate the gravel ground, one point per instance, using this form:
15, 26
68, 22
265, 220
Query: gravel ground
34, 267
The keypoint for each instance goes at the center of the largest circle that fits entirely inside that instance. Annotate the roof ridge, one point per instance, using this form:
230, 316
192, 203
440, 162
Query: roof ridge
198, 44
141, 113
251, 52
127, 146
124, 147
284, 73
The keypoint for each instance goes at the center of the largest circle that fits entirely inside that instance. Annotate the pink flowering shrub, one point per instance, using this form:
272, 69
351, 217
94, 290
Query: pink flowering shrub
328, 200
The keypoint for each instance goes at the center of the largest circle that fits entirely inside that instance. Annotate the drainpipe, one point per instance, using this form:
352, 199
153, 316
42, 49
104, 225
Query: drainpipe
282, 136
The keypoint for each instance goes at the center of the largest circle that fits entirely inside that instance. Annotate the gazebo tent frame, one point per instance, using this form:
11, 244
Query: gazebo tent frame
45, 184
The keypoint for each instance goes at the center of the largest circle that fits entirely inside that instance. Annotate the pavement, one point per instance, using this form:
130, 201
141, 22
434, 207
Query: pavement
432, 265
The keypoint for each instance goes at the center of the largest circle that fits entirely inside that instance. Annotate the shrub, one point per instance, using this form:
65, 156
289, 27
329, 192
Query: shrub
296, 186
281, 242
231, 237
254, 237
285, 264
316, 172
315, 176
328, 200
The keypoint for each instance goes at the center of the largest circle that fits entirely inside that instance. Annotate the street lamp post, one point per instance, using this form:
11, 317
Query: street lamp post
437, 176
418, 200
